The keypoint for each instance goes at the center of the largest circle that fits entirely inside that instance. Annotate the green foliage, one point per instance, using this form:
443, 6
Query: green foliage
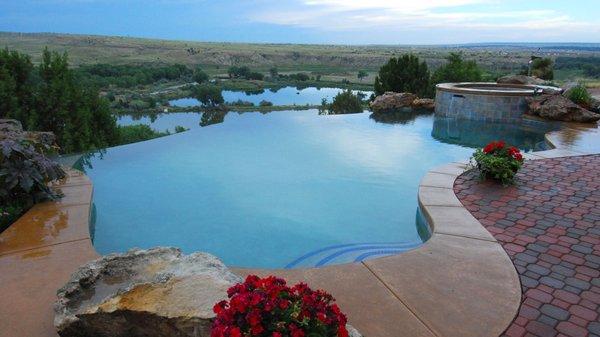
9, 214
137, 133
362, 74
127, 76
25, 172
457, 70
265, 103
240, 102
238, 72
579, 95
542, 68
589, 64
345, 102
208, 95
403, 74
273, 73
498, 161
180, 129
200, 76
301, 77
50, 98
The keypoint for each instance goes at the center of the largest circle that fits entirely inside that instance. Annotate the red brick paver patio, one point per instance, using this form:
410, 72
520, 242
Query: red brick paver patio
549, 224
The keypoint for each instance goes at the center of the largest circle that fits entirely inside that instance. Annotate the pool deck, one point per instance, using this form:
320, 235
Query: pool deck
460, 283
549, 224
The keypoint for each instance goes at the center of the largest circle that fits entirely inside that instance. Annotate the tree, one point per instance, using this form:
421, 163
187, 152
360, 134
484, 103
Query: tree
362, 74
238, 72
403, 74
457, 70
200, 76
273, 73
55, 100
345, 102
543, 68
209, 95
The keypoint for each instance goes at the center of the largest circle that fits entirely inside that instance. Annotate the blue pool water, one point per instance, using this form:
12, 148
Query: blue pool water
283, 189
283, 96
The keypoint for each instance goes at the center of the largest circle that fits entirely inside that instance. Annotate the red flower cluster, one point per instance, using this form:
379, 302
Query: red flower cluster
499, 149
491, 147
267, 307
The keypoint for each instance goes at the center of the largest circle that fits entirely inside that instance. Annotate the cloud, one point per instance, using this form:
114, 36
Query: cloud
401, 16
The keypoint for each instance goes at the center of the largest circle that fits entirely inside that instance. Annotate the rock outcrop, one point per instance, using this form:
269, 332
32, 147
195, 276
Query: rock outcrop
12, 129
520, 79
393, 101
155, 292
559, 108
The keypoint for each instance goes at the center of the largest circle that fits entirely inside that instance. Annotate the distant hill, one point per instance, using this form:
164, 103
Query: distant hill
86, 49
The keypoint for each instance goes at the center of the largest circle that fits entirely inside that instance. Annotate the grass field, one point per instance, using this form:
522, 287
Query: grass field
215, 57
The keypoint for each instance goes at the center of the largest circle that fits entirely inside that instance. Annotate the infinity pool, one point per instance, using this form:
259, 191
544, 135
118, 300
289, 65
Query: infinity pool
283, 189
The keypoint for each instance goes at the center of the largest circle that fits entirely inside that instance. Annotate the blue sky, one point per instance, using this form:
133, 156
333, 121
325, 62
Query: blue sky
313, 21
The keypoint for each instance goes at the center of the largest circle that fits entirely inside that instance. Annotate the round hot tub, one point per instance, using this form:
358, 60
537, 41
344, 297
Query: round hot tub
483, 101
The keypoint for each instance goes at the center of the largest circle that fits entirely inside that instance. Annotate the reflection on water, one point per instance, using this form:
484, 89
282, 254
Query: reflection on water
528, 135
401, 116
212, 117
280, 96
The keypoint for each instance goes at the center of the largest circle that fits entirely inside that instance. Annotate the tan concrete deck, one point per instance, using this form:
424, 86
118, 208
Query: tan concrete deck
459, 283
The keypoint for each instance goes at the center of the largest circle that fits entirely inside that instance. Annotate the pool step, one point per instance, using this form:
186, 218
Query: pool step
353, 252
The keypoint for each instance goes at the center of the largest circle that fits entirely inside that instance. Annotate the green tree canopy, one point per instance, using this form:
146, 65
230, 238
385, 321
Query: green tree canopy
50, 98
403, 74
200, 76
543, 68
457, 70
345, 102
209, 95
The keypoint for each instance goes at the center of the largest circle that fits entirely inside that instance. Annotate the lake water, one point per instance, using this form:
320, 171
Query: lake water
283, 189
283, 96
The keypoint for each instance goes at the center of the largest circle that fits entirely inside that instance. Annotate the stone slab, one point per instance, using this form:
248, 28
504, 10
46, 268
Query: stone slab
434, 196
455, 221
457, 286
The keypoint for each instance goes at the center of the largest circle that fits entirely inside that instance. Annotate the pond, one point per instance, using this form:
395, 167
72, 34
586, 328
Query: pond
283, 189
282, 96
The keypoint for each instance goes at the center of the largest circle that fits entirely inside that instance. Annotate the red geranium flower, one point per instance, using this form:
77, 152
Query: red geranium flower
268, 307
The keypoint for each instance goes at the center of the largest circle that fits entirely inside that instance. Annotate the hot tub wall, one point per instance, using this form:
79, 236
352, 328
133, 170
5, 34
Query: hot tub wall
477, 106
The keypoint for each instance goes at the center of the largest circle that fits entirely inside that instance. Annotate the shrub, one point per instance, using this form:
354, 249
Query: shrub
403, 74
457, 70
345, 102
579, 95
498, 161
137, 133
180, 129
240, 102
543, 68
265, 103
268, 307
25, 172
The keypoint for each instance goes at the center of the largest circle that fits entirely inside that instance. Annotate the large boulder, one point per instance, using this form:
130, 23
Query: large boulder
155, 292
391, 101
559, 108
520, 79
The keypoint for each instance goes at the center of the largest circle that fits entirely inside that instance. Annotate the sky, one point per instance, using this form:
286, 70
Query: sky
313, 21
